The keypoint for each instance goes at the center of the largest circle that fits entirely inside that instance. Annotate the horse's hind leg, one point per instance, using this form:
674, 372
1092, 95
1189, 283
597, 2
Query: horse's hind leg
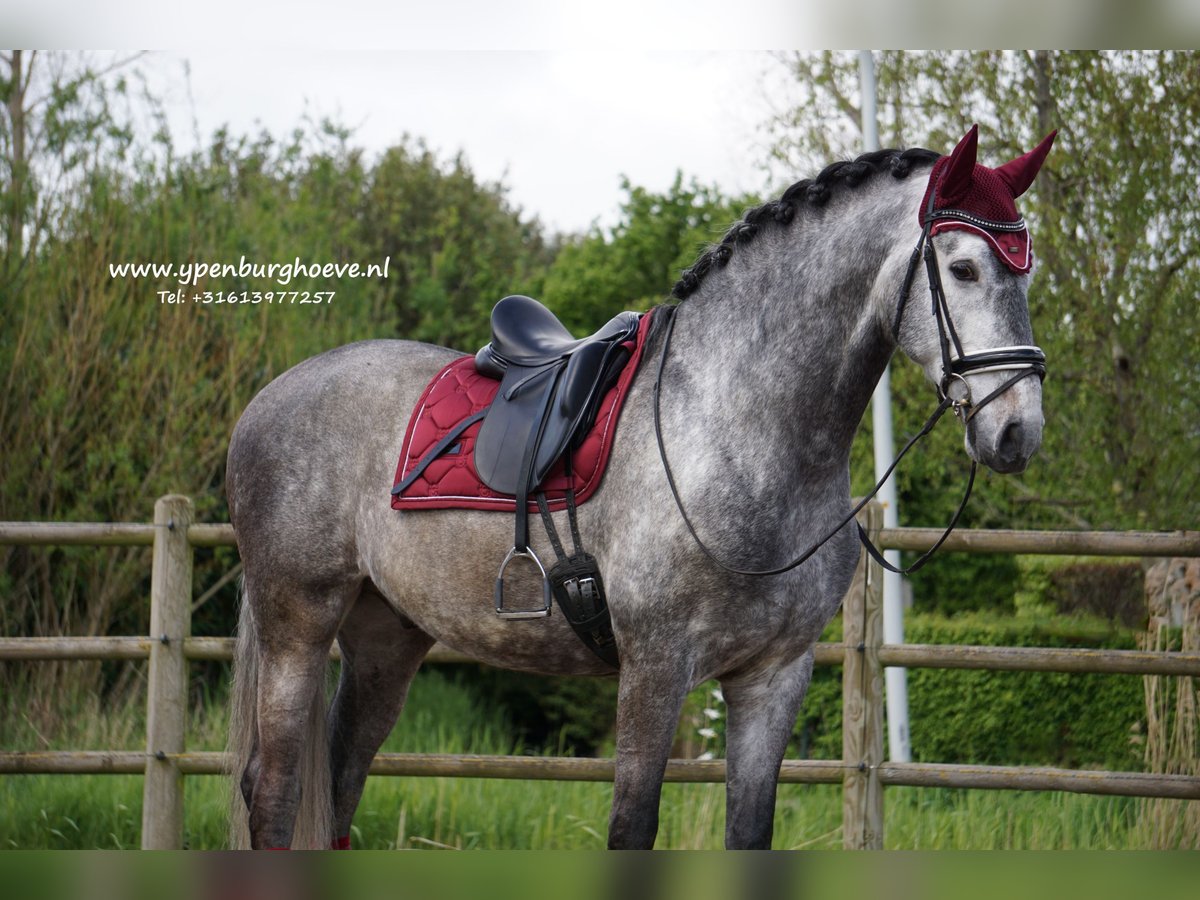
381, 653
294, 630
763, 705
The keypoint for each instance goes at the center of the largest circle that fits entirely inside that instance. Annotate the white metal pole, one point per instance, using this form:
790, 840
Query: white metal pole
895, 679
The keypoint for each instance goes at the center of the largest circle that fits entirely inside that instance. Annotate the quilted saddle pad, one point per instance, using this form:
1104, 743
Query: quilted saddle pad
451, 482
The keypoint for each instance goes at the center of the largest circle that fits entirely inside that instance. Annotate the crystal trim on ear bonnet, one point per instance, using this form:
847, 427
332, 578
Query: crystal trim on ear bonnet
971, 197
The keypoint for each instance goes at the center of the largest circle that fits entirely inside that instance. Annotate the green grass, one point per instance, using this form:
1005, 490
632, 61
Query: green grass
78, 811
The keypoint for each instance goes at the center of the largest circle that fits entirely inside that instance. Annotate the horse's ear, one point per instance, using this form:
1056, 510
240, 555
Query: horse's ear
956, 180
1020, 172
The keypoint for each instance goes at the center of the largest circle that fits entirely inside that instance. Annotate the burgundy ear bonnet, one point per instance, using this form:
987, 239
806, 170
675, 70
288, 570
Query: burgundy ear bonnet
974, 198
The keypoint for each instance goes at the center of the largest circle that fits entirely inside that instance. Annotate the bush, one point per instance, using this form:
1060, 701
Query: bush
1112, 590
561, 715
1000, 718
965, 582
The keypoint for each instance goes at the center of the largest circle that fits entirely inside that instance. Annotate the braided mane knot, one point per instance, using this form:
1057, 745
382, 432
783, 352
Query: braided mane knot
814, 192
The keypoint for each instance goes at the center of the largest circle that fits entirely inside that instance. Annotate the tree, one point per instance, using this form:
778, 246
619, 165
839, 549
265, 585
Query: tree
635, 264
57, 122
457, 245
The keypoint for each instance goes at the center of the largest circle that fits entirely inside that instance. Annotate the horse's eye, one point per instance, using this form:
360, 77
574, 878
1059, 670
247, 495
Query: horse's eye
963, 271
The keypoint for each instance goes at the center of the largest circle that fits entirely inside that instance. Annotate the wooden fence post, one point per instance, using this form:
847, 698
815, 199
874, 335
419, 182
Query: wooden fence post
166, 721
862, 701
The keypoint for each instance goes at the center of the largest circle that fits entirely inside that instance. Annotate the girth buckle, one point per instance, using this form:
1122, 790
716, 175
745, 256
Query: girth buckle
547, 591
582, 589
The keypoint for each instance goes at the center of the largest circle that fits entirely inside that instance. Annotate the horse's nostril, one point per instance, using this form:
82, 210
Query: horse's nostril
1011, 441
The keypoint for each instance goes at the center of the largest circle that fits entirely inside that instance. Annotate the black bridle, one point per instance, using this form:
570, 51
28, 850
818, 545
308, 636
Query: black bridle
1024, 360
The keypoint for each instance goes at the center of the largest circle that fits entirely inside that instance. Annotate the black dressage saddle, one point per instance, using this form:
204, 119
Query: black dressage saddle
551, 386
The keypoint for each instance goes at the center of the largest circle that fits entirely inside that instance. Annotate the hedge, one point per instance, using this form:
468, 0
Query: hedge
1000, 718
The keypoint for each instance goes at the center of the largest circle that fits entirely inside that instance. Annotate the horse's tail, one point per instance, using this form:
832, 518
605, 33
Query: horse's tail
314, 817
243, 720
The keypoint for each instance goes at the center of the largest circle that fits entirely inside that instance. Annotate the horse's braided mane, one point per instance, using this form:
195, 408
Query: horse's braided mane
815, 191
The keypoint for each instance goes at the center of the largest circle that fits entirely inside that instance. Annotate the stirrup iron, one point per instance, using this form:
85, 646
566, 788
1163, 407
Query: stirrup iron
547, 590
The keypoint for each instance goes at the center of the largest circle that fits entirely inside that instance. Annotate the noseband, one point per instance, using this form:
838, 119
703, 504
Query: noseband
1022, 360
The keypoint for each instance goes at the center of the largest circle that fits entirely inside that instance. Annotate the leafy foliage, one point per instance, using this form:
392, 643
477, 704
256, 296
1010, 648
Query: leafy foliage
1114, 590
1001, 718
564, 715
457, 245
635, 265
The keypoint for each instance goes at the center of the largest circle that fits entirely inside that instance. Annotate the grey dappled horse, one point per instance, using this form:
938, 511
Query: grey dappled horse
786, 328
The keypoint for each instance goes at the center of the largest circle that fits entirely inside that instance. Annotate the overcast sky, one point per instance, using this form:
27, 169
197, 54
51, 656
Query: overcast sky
559, 128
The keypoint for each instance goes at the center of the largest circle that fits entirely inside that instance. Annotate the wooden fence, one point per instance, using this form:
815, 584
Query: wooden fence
863, 772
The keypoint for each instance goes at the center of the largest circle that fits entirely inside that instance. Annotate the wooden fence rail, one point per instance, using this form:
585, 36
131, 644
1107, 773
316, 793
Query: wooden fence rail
862, 771
909, 656
684, 771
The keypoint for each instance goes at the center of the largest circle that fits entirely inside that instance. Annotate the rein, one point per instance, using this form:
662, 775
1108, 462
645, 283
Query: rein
1026, 360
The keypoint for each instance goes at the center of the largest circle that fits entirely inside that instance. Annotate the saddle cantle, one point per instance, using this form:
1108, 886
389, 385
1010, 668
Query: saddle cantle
551, 384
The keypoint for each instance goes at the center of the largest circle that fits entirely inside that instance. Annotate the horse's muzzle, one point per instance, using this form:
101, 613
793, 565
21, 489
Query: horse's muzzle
1005, 446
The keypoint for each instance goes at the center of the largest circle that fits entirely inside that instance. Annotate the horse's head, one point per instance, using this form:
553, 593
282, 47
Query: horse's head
974, 339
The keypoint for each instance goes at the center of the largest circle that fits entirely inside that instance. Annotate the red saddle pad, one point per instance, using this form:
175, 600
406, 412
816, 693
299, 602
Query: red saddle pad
451, 482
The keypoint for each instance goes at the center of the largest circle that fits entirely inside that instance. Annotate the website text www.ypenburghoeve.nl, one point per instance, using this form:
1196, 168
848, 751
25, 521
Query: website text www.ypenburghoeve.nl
192, 273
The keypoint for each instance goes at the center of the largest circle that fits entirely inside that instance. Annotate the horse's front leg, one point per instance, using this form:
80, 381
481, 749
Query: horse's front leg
649, 700
762, 706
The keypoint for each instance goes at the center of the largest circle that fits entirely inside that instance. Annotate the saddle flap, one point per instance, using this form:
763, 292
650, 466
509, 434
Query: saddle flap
591, 373
579, 378
519, 441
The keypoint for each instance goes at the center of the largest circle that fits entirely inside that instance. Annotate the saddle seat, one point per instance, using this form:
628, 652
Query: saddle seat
551, 384
526, 333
